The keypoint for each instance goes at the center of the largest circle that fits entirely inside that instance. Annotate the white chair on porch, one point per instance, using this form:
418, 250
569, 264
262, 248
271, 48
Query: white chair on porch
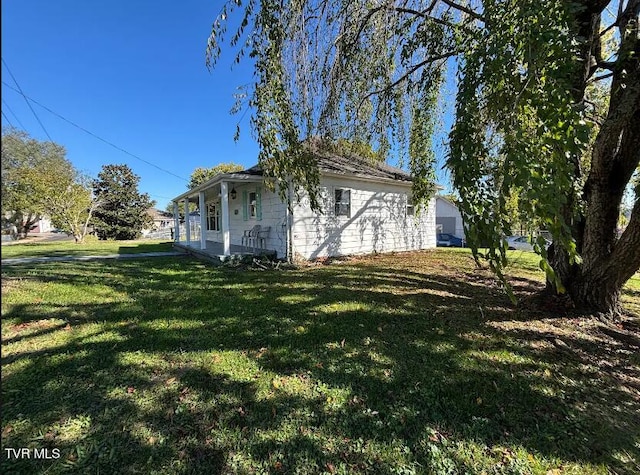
261, 238
250, 236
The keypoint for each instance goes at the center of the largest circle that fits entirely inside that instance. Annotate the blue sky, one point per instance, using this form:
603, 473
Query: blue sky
132, 73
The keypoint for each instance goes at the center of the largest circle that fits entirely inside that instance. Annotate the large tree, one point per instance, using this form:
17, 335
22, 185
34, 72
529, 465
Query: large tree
31, 172
38, 180
123, 211
524, 111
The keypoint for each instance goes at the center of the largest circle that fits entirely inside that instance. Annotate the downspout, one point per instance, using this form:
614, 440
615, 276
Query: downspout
289, 244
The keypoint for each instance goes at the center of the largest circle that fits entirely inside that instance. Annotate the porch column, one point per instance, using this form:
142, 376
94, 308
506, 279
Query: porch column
203, 221
224, 192
176, 222
187, 221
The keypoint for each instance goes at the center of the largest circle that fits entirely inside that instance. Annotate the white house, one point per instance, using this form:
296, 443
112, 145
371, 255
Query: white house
43, 225
448, 218
365, 208
162, 221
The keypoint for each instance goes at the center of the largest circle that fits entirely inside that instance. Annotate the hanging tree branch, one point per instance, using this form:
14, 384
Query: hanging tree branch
408, 73
466, 10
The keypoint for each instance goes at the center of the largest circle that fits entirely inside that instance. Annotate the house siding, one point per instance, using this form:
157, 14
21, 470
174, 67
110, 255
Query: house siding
273, 215
446, 209
378, 221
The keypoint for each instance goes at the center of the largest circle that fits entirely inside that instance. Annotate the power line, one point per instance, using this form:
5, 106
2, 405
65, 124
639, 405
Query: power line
7, 119
96, 136
13, 114
160, 196
26, 99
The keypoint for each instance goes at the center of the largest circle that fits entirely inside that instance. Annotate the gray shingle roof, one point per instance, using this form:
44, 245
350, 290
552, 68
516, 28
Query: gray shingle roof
348, 166
353, 166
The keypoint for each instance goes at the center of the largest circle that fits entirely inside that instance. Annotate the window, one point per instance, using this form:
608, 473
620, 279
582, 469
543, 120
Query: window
343, 202
410, 206
213, 217
253, 204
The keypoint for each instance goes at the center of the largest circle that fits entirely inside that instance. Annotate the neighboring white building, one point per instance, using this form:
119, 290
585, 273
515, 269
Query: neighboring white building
365, 208
448, 218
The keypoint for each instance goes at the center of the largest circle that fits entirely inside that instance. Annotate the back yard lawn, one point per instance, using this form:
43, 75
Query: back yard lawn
405, 363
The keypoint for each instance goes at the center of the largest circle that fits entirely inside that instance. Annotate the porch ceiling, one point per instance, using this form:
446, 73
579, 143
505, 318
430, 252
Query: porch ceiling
210, 194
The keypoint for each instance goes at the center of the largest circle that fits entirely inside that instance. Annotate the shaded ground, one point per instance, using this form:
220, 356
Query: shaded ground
35, 249
37, 238
408, 363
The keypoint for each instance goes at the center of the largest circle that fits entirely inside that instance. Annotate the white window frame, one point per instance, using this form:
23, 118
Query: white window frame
252, 204
411, 206
338, 204
213, 219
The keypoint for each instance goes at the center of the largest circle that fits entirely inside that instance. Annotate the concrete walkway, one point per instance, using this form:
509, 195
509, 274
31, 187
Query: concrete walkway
35, 260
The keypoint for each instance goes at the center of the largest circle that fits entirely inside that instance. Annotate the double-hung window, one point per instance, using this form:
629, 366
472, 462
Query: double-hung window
253, 204
342, 202
213, 217
411, 209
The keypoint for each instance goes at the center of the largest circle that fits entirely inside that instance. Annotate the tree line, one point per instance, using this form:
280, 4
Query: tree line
38, 180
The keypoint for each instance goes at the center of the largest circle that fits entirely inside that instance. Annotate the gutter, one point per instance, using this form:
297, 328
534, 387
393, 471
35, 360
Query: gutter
235, 177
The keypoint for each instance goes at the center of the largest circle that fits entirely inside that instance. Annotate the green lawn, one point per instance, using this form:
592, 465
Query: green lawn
388, 364
90, 248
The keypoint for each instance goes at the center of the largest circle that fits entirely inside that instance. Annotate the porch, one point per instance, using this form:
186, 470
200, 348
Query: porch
214, 251
230, 216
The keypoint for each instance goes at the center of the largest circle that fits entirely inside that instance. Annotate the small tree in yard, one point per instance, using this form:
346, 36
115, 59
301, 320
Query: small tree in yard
525, 120
123, 210
71, 207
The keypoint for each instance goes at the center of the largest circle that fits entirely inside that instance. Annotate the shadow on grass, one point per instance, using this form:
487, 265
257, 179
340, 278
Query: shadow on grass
94, 248
392, 368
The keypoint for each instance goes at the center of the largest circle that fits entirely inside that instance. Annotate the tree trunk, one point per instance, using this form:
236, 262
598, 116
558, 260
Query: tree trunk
607, 262
26, 223
597, 297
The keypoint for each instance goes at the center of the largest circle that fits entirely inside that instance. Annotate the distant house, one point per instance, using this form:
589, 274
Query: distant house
162, 221
448, 218
43, 225
365, 208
